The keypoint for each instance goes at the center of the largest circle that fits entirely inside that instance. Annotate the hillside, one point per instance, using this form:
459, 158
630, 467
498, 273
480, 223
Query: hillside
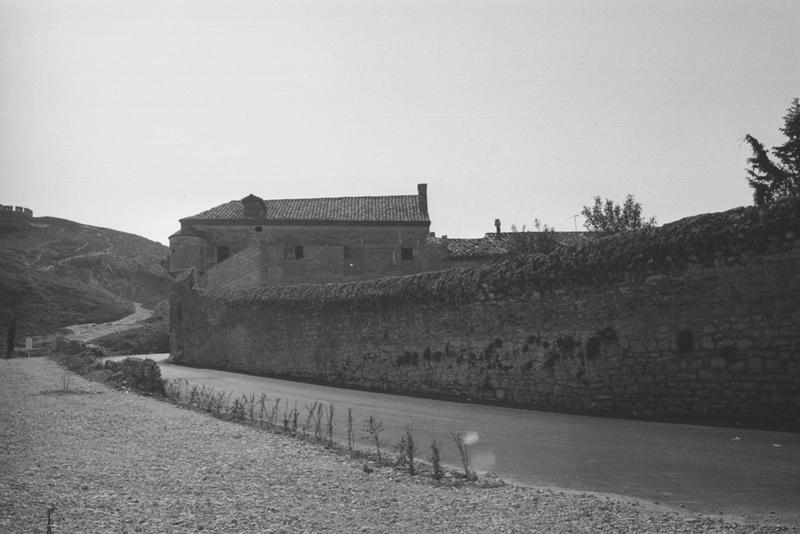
55, 272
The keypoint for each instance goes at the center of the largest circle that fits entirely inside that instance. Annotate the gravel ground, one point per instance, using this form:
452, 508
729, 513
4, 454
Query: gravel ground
116, 462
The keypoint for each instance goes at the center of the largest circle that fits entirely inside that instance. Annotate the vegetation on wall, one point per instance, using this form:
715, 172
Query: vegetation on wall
608, 216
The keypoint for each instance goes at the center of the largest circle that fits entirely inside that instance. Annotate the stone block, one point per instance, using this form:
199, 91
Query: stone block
706, 376
717, 363
754, 363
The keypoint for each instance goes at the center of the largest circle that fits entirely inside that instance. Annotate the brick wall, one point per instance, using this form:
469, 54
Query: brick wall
699, 319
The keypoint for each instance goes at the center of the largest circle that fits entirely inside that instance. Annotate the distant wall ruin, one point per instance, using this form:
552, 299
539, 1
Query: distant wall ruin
18, 211
695, 320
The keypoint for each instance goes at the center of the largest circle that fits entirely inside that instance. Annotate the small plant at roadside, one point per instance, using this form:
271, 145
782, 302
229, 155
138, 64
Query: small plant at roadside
463, 452
294, 415
436, 459
174, 388
350, 437
251, 406
411, 450
330, 425
406, 449
373, 428
312, 412
236, 412
262, 408
273, 414
66, 380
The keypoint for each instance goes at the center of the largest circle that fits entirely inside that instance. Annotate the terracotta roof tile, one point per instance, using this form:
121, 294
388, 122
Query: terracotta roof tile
394, 209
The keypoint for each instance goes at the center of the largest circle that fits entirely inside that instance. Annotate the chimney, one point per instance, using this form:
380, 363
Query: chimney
497, 225
422, 192
253, 206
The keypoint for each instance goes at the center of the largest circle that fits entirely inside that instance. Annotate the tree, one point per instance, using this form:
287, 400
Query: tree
772, 180
610, 217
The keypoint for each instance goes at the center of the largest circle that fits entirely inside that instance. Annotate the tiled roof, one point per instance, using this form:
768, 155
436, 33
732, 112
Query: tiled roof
188, 231
493, 245
384, 209
475, 248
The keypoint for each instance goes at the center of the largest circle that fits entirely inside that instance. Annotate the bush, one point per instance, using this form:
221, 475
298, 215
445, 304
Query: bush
142, 375
82, 363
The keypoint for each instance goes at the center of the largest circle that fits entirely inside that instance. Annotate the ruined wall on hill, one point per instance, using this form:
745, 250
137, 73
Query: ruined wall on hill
697, 319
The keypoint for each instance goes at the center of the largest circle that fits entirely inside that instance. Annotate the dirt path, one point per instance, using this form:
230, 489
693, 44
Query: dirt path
88, 332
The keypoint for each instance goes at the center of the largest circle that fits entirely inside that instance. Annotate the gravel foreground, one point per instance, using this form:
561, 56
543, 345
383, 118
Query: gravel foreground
109, 461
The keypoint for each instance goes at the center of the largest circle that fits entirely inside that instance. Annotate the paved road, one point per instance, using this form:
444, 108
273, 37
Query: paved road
748, 473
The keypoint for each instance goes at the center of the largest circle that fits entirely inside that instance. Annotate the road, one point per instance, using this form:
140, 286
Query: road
88, 332
747, 473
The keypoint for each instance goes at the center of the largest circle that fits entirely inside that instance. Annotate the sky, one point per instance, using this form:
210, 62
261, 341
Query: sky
133, 114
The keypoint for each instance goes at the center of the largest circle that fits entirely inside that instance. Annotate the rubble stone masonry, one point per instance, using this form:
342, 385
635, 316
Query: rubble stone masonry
696, 320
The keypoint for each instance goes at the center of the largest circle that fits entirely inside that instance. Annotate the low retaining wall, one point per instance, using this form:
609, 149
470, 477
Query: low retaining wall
699, 319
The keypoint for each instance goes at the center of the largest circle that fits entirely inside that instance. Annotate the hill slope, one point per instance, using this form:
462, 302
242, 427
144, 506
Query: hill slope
55, 272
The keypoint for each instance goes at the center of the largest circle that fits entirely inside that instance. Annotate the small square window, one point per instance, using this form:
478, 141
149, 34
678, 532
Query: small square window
406, 254
293, 253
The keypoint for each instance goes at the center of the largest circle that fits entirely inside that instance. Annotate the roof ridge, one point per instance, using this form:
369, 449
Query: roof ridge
337, 198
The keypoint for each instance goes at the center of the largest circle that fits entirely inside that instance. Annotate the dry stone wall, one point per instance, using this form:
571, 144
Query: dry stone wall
696, 320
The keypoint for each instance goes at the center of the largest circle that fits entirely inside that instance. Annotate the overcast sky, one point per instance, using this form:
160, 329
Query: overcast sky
133, 114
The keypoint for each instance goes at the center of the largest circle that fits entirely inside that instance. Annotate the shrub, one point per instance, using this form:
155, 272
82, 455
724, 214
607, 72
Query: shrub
136, 373
436, 459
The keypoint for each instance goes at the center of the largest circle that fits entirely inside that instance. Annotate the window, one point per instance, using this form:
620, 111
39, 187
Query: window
223, 253
406, 254
347, 253
293, 253
259, 229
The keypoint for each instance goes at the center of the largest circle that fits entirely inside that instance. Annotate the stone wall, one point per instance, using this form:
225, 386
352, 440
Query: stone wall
14, 217
239, 271
330, 253
696, 320
18, 211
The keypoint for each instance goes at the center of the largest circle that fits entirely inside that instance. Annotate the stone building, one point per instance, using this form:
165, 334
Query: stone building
255, 242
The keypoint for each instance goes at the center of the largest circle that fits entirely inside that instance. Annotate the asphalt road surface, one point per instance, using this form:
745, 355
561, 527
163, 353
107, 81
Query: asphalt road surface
747, 473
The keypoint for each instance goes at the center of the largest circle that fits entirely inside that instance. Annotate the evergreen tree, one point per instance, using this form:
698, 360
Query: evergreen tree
770, 179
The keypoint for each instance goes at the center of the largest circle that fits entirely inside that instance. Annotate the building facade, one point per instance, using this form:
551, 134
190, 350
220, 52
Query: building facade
255, 242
